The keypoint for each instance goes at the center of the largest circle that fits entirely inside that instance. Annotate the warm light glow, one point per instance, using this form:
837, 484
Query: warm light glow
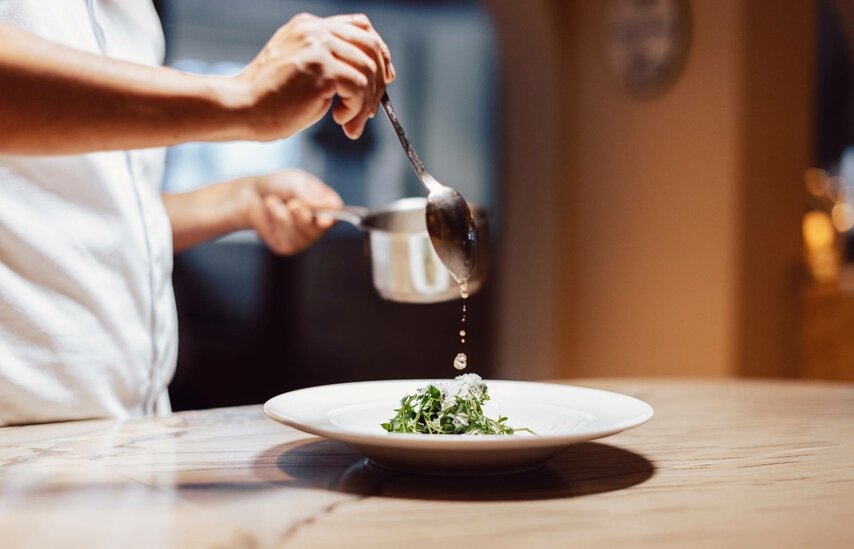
843, 217
824, 265
815, 178
817, 230
837, 189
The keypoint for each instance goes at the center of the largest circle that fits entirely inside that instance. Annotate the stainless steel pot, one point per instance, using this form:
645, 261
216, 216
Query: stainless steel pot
404, 265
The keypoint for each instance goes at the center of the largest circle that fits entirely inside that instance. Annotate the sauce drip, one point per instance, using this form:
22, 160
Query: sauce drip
461, 360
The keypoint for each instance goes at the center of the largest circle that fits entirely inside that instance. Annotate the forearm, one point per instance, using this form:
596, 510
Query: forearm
278, 206
208, 213
57, 100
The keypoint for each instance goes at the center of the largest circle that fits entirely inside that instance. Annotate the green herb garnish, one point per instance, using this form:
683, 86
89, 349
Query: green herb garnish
448, 408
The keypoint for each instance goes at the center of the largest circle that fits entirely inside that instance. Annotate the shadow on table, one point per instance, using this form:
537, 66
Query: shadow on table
582, 470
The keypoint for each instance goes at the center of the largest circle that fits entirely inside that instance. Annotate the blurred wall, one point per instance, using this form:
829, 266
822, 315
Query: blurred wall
678, 227
652, 236
527, 265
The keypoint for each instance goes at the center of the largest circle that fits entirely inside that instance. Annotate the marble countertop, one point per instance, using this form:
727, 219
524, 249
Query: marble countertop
723, 463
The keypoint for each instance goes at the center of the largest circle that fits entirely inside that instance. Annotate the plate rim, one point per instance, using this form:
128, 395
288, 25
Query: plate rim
457, 442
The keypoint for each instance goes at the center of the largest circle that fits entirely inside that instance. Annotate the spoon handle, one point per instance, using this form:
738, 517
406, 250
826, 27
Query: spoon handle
419, 168
351, 214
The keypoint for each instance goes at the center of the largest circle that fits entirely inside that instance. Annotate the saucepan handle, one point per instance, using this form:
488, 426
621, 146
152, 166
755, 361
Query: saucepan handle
350, 214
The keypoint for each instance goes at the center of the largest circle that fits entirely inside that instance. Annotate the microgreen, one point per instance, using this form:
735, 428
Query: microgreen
448, 408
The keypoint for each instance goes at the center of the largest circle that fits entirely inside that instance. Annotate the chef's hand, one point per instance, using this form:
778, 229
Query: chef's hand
278, 206
281, 209
309, 61
56, 100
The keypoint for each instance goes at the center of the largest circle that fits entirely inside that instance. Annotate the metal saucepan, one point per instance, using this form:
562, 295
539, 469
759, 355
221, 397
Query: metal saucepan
404, 265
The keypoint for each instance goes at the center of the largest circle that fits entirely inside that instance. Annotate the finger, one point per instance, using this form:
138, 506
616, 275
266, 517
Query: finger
319, 196
356, 19
300, 213
348, 82
364, 47
347, 111
361, 21
370, 43
354, 56
373, 46
282, 226
346, 116
351, 87
305, 225
301, 232
356, 126
324, 223
358, 59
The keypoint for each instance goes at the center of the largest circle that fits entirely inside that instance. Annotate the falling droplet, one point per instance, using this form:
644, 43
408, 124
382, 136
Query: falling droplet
461, 360
464, 290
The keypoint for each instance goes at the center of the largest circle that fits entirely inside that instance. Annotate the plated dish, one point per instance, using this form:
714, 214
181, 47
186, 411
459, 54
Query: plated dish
560, 415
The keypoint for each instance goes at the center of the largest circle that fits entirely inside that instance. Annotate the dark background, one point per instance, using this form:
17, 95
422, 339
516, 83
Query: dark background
253, 324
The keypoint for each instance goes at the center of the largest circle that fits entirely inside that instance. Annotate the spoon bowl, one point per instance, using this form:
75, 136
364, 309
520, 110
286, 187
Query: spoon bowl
452, 231
449, 220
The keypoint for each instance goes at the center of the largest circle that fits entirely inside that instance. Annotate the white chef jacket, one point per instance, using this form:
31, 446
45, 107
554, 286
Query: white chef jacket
87, 314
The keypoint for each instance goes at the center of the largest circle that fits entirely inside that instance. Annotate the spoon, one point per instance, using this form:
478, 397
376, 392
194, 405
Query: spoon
449, 220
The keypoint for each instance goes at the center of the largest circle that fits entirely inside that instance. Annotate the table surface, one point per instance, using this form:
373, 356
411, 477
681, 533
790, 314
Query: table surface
722, 463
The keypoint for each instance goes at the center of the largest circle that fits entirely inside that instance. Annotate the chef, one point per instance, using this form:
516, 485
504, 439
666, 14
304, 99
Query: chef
87, 313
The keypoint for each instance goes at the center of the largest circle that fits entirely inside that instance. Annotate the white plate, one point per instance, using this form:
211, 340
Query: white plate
561, 415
